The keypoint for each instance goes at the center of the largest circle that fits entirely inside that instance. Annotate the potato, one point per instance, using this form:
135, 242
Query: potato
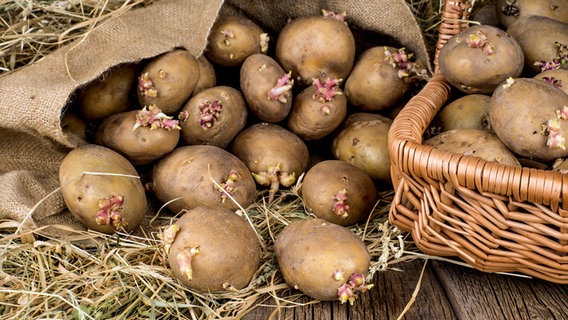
275, 156
377, 82
197, 175
474, 142
316, 47
168, 80
480, 58
509, 11
110, 93
73, 124
212, 249
543, 41
528, 115
557, 77
363, 142
318, 110
469, 111
487, 14
207, 75
338, 192
323, 260
232, 39
213, 116
140, 144
266, 87
112, 200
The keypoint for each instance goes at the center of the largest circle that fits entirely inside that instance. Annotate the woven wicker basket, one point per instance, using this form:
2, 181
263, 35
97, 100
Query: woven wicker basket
495, 217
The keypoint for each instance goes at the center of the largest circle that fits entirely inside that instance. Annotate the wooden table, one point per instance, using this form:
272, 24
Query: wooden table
446, 291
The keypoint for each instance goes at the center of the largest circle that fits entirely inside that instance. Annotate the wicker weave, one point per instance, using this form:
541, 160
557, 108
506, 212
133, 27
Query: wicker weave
495, 217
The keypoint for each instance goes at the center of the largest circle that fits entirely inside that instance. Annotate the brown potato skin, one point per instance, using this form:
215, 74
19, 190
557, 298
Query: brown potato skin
469, 111
82, 196
374, 85
536, 35
175, 75
310, 251
471, 70
326, 179
316, 47
186, 173
363, 142
232, 118
554, 9
263, 145
258, 75
229, 250
560, 75
246, 40
140, 146
207, 75
307, 119
474, 142
518, 112
109, 94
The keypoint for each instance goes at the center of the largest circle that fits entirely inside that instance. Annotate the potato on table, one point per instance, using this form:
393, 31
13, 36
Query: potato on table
212, 249
324, 260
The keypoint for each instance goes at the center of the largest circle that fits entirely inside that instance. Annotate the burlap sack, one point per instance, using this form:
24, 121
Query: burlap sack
33, 98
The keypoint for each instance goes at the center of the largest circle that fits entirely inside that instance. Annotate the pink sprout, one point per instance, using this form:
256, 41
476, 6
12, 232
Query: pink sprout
210, 112
153, 117
326, 91
146, 86
282, 88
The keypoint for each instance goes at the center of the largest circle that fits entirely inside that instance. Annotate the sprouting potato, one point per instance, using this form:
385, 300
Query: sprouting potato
316, 47
168, 80
380, 78
323, 260
142, 136
530, 117
480, 58
338, 192
213, 116
212, 249
197, 175
266, 87
232, 39
110, 200
275, 156
318, 110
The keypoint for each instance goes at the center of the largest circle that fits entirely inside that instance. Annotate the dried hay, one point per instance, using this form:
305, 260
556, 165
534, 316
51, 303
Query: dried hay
97, 276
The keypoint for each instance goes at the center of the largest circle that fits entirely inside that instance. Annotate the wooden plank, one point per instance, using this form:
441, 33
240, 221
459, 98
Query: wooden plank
386, 300
478, 295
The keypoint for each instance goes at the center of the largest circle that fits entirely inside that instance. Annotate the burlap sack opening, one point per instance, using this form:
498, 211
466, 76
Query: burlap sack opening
34, 98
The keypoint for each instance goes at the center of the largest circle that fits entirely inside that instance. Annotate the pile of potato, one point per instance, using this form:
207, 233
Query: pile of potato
205, 134
511, 72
